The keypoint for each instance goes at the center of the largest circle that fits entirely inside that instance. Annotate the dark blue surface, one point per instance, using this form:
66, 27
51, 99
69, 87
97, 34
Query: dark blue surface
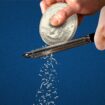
81, 71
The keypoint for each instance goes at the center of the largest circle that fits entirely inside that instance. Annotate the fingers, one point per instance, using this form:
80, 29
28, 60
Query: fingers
43, 6
100, 32
61, 16
50, 2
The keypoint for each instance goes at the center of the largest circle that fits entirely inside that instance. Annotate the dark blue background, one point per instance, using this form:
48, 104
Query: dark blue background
81, 71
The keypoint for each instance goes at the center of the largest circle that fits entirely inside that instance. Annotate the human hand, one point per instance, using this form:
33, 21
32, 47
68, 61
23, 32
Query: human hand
100, 31
80, 7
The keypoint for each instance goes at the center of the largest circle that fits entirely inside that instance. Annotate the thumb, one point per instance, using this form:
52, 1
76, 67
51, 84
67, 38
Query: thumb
100, 31
61, 16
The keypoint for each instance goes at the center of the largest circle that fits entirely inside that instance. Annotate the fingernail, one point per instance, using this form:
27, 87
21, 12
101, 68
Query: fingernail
55, 21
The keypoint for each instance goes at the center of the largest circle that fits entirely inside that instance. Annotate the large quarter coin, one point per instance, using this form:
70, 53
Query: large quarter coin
53, 35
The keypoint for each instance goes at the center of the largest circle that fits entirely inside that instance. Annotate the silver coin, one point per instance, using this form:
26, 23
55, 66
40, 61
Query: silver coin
53, 35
